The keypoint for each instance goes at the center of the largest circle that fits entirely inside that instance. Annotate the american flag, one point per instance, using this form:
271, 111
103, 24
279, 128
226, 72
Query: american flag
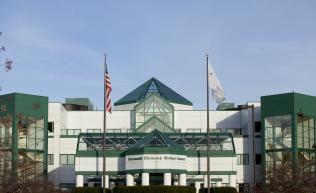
108, 89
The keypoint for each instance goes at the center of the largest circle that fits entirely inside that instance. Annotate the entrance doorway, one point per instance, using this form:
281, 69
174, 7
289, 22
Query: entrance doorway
156, 179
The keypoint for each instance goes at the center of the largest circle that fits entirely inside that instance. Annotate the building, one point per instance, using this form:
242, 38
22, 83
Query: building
154, 136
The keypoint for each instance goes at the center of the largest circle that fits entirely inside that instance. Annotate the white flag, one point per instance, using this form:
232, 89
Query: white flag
217, 90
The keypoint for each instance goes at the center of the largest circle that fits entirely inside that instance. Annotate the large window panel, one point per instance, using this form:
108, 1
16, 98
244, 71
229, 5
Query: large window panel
153, 106
278, 132
67, 159
63, 159
305, 132
22, 134
276, 158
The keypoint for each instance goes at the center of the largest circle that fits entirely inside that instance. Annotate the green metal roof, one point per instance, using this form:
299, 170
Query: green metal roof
156, 139
80, 101
153, 86
225, 106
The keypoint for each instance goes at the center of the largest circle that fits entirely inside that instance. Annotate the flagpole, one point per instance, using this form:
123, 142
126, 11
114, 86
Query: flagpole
104, 122
208, 127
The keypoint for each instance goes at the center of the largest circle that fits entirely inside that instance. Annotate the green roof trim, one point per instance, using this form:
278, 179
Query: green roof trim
153, 86
155, 150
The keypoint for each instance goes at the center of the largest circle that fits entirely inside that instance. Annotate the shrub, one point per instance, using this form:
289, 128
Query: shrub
154, 189
89, 190
219, 190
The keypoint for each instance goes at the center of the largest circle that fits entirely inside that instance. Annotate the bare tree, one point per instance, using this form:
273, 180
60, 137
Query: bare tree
291, 178
24, 175
5, 66
22, 179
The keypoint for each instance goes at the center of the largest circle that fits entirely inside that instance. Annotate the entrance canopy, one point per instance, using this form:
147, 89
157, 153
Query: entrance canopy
190, 142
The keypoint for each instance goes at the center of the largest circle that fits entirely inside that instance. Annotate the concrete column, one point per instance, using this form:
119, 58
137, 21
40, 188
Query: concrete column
182, 179
167, 179
197, 186
205, 181
145, 179
79, 180
107, 178
129, 180
232, 181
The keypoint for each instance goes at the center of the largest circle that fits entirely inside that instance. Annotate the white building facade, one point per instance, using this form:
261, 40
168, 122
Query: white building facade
154, 137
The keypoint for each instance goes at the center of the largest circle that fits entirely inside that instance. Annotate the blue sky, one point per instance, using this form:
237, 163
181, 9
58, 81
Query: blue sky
256, 47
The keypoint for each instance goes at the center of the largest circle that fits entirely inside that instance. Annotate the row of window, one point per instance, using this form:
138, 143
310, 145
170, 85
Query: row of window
243, 159
64, 159
77, 131
69, 159
70, 131
229, 130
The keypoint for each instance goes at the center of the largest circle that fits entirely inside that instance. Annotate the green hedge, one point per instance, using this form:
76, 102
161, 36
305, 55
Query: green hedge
88, 190
154, 189
219, 190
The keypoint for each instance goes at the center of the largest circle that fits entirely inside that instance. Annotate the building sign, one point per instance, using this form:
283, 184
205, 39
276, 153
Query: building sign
156, 161
157, 157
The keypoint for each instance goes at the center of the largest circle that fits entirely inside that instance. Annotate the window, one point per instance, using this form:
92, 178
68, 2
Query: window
215, 130
94, 130
50, 159
278, 132
305, 132
50, 127
237, 131
242, 159
70, 131
258, 159
233, 131
114, 130
194, 130
257, 126
243, 188
178, 130
152, 108
67, 159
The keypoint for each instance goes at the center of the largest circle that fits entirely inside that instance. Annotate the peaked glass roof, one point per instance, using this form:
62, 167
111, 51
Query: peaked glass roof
152, 89
153, 86
156, 139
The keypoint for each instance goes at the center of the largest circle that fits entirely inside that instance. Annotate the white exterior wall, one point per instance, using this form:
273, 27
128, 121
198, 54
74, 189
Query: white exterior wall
180, 107
184, 119
127, 107
57, 146
84, 164
94, 120
197, 120
216, 164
